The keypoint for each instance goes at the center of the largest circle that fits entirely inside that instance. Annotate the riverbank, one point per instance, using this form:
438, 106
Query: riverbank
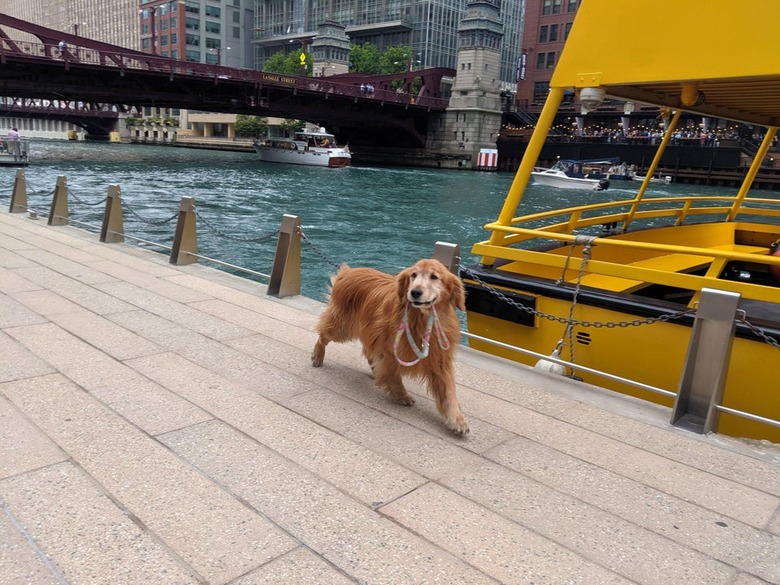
163, 424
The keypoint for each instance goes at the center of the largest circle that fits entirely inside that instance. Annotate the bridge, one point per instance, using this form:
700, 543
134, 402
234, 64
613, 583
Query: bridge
102, 78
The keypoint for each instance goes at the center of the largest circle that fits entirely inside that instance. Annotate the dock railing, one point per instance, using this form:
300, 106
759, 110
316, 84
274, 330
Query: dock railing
697, 401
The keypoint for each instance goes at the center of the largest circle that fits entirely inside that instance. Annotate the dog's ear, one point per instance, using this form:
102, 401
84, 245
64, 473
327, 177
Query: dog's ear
402, 280
457, 291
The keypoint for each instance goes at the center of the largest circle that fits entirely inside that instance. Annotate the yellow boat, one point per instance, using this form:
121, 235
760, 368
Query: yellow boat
615, 285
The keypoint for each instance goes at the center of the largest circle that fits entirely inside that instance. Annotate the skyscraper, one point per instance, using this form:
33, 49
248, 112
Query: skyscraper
430, 27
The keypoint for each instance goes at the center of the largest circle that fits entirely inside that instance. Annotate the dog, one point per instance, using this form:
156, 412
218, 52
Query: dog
407, 325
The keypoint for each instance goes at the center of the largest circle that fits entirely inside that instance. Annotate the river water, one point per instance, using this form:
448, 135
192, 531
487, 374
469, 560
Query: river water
386, 218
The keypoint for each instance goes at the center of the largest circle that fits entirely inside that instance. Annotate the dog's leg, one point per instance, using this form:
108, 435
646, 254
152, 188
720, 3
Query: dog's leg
443, 391
387, 377
318, 353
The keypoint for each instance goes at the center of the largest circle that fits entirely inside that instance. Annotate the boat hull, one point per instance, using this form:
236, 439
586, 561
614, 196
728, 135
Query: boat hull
651, 354
564, 182
334, 158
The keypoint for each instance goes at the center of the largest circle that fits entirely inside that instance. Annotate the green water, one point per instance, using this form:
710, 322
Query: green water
386, 218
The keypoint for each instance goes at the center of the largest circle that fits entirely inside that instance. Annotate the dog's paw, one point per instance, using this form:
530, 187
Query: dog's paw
407, 400
317, 359
459, 426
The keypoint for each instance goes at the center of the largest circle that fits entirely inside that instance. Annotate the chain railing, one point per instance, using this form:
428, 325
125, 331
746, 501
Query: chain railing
284, 279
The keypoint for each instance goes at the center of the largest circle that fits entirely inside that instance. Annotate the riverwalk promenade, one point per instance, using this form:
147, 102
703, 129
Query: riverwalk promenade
162, 424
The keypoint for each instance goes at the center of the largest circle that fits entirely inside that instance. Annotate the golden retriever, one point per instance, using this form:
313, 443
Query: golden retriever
407, 325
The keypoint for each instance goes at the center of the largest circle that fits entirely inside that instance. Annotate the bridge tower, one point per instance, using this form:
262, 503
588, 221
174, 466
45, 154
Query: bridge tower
330, 50
473, 117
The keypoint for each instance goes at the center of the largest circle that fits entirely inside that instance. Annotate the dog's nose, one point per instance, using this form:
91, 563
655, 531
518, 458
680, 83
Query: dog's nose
416, 293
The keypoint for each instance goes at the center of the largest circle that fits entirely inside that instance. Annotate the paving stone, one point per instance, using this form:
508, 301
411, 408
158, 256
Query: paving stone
12, 282
365, 475
19, 559
301, 567
174, 311
22, 446
212, 531
150, 282
585, 519
64, 266
17, 362
506, 551
79, 293
346, 533
141, 401
681, 521
84, 536
15, 314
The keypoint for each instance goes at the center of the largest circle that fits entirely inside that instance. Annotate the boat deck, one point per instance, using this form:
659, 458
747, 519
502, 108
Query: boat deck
162, 424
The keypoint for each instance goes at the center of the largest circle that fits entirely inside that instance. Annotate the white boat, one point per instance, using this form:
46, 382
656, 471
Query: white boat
568, 174
315, 148
665, 179
14, 152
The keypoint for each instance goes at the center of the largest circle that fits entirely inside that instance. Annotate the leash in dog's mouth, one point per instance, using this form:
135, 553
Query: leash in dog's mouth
420, 352
423, 304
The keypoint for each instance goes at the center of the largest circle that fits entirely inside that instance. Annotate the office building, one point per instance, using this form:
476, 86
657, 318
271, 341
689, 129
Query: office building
429, 27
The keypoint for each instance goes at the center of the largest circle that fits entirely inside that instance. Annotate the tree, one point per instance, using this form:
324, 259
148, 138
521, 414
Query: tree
290, 127
397, 60
250, 125
365, 59
288, 64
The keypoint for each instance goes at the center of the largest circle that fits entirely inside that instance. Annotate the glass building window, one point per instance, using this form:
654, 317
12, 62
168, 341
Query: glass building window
550, 60
540, 60
556, 9
547, 7
543, 33
553, 33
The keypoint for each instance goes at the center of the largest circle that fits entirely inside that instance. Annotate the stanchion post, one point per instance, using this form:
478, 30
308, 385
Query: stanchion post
286, 271
113, 230
59, 205
185, 240
449, 255
706, 365
19, 194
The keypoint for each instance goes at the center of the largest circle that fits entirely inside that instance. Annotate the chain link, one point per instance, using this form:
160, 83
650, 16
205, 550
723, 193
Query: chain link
570, 321
73, 195
146, 220
224, 234
319, 252
767, 339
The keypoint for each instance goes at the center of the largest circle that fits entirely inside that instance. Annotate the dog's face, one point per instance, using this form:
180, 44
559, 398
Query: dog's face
429, 283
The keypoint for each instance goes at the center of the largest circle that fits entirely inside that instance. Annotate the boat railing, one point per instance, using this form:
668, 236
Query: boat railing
570, 225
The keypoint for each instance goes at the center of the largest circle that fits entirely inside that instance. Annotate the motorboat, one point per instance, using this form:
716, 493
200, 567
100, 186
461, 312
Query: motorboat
314, 148
617, 286
570, 174
656, 179
14, 152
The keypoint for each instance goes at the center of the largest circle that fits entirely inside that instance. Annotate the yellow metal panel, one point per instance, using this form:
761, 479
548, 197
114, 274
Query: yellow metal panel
670, 40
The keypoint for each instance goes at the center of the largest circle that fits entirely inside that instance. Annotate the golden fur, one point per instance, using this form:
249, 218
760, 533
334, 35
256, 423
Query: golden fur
368, 305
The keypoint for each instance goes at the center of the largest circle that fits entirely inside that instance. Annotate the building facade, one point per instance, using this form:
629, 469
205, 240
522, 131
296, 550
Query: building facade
429, 27
216, 32
546, 28
109, 21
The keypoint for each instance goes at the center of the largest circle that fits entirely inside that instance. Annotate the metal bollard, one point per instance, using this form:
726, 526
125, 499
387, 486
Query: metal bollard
113, 230
185, 241
19, 194
449, 255
58, 215
286, 270
706, 365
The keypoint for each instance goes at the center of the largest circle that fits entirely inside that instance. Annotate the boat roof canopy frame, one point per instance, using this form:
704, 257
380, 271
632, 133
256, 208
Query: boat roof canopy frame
660, 60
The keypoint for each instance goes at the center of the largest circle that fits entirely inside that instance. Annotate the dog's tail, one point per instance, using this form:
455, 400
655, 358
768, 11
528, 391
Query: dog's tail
334, 277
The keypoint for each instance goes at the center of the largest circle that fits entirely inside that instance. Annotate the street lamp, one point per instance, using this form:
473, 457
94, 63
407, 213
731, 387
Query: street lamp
219, 53
76, 26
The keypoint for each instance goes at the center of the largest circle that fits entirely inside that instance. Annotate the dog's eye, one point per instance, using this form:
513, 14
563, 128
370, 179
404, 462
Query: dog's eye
414, 275
434, 276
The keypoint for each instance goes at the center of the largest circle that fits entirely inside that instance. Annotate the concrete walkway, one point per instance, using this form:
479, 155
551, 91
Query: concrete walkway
163, 425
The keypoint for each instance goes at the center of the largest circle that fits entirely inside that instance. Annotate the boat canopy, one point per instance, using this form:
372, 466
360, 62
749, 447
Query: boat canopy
718, 59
